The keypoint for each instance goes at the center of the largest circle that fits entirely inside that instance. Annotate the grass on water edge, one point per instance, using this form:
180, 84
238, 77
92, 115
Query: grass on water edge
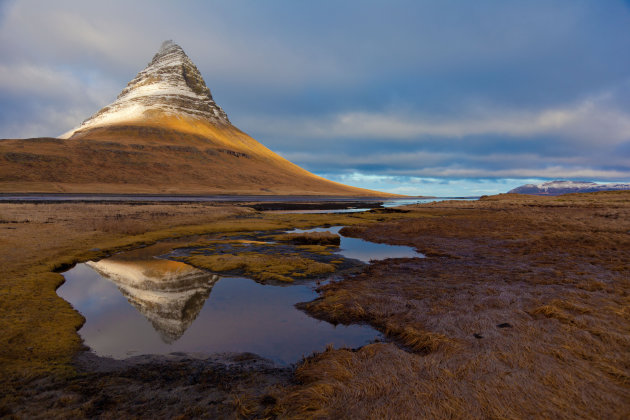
39, 328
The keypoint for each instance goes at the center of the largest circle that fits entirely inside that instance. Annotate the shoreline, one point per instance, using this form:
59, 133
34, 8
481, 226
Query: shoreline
215, 198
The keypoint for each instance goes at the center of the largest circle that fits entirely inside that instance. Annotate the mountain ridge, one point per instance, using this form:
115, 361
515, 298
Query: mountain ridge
559, 187
170, 83
164, 134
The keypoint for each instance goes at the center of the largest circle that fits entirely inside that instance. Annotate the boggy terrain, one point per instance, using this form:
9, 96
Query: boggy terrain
40, 372
520, 310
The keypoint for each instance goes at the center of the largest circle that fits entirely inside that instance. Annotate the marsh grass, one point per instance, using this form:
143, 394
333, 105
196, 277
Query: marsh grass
262, 267
309, 238
39, 328
318, 249
553, 269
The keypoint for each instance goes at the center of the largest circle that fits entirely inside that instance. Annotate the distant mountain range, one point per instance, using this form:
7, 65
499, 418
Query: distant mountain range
164, 134
566, 187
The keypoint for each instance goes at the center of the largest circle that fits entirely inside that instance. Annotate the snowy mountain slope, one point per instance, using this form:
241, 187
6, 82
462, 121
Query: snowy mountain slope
171, 83
566, 187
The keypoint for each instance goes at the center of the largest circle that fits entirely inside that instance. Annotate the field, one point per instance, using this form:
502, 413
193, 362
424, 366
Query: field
521, 309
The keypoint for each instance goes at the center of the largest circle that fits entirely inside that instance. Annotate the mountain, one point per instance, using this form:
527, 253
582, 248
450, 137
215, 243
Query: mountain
566, 187
164, 134
170, 85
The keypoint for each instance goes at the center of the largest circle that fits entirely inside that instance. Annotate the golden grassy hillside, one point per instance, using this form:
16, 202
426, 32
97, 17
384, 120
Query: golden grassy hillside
158, 155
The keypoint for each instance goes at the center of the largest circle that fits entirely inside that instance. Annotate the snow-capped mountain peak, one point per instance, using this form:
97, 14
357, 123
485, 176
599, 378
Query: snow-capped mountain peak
566, 187
171, 83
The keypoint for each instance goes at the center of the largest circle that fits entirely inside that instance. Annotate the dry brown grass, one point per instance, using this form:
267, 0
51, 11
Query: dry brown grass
521, 313
554, 269
39, 337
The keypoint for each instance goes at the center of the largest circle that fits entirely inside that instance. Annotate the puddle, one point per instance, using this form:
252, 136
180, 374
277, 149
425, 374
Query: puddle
363, 250
135, 303
157, 306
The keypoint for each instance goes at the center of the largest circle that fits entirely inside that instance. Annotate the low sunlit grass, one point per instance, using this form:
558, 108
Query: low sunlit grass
318, 249
263, 267
309, 238
39, 328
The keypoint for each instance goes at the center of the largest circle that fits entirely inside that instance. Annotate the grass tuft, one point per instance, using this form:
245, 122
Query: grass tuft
262, 267
309, 238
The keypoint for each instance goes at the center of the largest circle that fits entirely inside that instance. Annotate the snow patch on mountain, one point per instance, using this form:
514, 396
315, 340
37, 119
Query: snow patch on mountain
566, 187
171, 83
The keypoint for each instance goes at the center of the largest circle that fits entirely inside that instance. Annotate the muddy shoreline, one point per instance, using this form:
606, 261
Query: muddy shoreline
180, 385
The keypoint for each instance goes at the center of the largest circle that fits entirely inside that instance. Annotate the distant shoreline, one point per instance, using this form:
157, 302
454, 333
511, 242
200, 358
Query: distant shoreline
97, 197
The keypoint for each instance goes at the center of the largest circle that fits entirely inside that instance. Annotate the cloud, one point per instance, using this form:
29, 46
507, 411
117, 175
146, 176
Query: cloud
48, 116
44, 101
427, 186
462, 165
417, 89
30, 79
556, 172
411, 160
586, 120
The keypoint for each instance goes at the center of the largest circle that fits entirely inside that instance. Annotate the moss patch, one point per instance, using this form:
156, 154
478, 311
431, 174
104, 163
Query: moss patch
317, 249
309, 238
262, 267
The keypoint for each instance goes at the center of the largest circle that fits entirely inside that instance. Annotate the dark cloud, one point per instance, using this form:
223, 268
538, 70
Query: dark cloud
402, 90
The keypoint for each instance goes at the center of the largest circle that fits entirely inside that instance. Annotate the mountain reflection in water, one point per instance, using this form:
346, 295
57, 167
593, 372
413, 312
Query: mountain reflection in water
170, 294
135, 303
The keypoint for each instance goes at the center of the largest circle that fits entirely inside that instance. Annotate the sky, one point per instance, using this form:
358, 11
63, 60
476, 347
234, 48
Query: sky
440, 97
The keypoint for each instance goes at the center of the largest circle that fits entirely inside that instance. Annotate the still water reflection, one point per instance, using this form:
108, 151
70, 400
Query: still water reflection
169, 294
366, 251
230, 314
135, 303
